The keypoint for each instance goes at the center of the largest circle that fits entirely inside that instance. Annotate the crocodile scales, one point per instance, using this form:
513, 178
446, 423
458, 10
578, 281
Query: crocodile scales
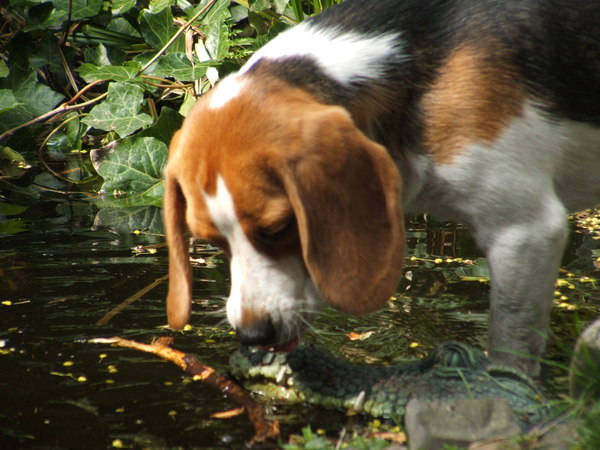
451, 371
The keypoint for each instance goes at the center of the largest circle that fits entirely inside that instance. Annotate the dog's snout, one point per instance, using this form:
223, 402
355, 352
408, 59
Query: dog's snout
257, 333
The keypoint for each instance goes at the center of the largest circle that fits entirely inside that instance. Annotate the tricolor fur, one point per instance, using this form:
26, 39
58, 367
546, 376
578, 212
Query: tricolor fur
302, 164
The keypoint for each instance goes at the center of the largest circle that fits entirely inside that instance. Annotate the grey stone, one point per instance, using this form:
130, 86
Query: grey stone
585, 364
430, 425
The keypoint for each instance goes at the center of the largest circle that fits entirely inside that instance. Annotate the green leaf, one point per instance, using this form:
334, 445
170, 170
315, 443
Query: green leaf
217, 40
167, 124
122, 26
100, 55
35, 98
158, 5
13, 226
120, 111
80, 9
280, 6
134, 166
3, 68
188, 103
122, 6
238, 13
178, 66
66, 140
12, 163
217, 13
9, 209
260, 5
46, 15
91, 72
7, 100
158, 28
47, 54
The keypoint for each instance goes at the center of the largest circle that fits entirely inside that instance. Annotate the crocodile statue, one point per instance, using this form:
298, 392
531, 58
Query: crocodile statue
451, 371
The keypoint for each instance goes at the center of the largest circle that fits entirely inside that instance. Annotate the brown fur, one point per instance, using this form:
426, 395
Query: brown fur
287, 155
473, 99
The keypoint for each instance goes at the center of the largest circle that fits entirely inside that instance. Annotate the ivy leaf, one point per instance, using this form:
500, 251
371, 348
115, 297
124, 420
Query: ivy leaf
260, 5
217, 30
80, 9
127, 71
100, 55
53, 14
12, 164
133, 167
217, 40
37, 98
280, 6
158, 28
3, 68
218, 13
168, 122
120, 111
47, 55
7, 100
33, 99
122, 6
178, 66
158, 5
66, 140
44, 16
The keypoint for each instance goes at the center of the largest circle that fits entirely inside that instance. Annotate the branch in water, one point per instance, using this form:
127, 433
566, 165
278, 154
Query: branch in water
265, 430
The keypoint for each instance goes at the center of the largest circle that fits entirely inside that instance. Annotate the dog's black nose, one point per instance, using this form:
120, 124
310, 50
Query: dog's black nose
260, 333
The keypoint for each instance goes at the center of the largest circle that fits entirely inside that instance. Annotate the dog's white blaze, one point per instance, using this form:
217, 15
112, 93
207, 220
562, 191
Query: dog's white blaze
344, 56
226, 90
276, 289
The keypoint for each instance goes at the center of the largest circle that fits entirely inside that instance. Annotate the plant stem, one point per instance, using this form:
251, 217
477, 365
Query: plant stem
65, 107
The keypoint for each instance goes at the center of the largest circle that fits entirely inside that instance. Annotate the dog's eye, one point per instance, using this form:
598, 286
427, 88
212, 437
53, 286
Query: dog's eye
274, 233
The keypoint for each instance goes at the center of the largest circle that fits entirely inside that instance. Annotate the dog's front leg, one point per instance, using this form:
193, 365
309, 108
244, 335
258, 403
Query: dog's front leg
524, 259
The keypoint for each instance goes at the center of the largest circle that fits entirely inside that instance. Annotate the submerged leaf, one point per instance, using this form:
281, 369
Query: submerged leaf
127, 220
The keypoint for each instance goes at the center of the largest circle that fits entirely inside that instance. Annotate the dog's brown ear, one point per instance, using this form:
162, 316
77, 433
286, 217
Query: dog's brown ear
346, 193
179, 297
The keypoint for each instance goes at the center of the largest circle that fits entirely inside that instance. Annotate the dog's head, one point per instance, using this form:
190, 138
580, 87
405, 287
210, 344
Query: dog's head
305, 205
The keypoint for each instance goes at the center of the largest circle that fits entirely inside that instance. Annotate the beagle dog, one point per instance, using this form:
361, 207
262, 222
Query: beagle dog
302, 164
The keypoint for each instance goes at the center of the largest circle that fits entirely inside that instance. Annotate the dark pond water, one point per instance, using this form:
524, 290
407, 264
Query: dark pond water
64, 264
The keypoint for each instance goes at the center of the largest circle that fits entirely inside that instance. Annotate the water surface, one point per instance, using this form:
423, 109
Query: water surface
64, 264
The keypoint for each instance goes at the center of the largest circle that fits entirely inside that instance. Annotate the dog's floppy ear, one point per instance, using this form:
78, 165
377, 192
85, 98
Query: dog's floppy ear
345, 191
179, 297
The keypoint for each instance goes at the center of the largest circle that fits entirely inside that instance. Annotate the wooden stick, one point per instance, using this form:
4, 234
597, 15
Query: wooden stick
264, 430
117, 309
